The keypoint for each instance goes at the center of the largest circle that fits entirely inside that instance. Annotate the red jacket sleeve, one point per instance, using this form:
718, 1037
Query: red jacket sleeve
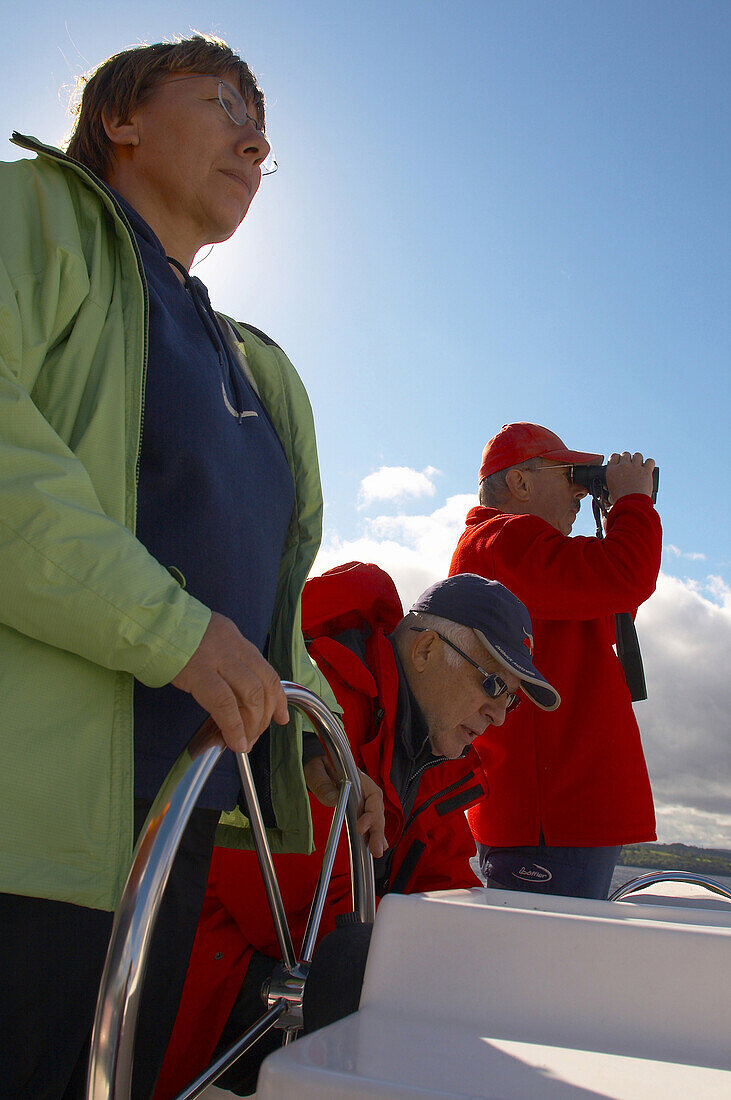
559, 577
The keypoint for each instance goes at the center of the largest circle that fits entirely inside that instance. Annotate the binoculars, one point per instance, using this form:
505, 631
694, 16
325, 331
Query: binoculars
594, 479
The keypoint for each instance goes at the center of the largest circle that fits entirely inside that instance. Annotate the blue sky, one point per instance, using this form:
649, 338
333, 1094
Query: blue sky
485, 212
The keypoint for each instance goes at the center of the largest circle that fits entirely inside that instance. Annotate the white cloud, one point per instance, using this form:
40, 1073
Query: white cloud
686, 640
396, 483
414, 550
676, 552
720, 591
686, 825
685, 636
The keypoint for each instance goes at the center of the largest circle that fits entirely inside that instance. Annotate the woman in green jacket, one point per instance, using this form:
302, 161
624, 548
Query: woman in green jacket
143, 572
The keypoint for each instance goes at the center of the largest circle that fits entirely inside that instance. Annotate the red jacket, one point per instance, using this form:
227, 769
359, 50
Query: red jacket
578, 772
429, 852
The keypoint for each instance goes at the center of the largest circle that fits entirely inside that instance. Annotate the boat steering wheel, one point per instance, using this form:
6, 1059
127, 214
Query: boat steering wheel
112, 1042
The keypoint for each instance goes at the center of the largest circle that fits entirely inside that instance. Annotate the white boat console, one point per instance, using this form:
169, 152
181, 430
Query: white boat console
513, 996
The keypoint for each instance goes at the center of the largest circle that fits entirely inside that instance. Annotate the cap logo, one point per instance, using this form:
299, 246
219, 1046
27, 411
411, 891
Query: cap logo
528, 641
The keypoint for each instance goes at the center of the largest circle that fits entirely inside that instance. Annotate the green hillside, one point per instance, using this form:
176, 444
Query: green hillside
677, 857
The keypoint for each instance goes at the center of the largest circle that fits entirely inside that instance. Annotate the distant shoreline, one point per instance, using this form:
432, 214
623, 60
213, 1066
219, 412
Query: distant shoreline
677, 857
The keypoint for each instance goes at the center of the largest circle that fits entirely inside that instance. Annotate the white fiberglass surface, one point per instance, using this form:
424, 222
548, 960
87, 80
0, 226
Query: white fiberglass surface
488, 994
583, 973
675, 902
373, 1057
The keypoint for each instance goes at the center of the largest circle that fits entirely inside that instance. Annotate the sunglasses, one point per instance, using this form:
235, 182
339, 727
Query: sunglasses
492, 685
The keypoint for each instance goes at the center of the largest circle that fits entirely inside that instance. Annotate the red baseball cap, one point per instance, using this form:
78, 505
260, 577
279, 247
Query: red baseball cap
515, 443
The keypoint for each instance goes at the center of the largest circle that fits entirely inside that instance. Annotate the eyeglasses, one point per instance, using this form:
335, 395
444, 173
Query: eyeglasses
558, 466
492, 685
234, 105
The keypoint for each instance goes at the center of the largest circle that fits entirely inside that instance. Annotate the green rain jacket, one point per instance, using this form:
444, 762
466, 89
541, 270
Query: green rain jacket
84, 608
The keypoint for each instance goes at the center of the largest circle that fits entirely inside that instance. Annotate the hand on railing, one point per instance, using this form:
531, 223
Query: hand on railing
230, 679
323, 782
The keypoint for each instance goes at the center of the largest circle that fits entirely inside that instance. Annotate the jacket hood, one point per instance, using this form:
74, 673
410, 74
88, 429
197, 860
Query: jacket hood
354, 596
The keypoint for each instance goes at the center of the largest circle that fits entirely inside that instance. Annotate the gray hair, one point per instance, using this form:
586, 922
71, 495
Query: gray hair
463, 636
494, 490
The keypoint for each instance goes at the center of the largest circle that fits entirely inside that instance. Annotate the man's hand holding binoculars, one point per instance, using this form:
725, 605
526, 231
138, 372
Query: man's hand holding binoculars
628, 474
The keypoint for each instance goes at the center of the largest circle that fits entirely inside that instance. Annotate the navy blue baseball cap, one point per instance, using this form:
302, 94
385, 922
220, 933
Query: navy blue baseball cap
500, 621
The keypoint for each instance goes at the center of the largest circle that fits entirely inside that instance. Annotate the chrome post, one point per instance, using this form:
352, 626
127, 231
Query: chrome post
287, 984
328, 859
266, 863
332, 735
260, 1028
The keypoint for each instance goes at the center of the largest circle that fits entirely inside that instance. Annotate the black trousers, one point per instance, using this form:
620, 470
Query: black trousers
51, 960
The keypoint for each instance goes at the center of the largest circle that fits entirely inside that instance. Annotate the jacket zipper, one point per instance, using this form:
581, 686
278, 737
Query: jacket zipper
424, 806
424, 767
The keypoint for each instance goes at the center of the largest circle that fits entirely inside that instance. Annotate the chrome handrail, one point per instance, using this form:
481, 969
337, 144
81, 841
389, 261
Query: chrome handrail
112, 1045
361, 862
653, 877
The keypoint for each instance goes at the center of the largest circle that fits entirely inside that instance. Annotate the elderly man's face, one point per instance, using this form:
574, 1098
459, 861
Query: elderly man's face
454, 704
190, 170
554, 497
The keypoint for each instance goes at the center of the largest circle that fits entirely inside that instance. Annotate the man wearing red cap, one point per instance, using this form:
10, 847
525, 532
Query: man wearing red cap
567, 787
